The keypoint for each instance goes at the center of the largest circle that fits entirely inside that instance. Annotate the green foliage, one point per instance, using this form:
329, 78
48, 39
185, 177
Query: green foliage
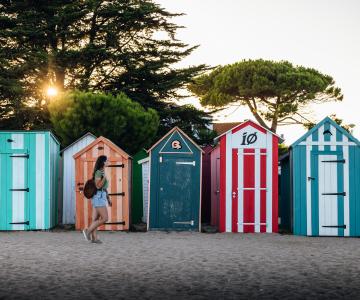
339, 121
109, 46
273, 91
283, 149
118, 118
191, 120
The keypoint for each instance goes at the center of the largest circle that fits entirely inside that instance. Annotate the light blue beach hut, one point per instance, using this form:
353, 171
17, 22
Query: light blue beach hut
324, 182
28, 180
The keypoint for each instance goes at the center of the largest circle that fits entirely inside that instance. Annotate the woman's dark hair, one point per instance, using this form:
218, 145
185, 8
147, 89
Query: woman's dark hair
99, 164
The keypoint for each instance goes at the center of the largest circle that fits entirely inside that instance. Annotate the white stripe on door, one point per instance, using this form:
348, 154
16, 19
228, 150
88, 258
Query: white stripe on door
269, 183
308, 187
328, 208
18, 197
240, 190
228, 213
18, 141
346, 188
40, 181
257, 190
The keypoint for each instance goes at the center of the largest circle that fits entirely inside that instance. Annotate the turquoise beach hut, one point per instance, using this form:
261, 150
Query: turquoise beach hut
28, 180
324, 182
175, 183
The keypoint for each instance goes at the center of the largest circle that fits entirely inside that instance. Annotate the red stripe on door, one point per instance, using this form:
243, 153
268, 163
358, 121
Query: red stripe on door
275, 142
222, 205
263, 192
234, 195
249, 195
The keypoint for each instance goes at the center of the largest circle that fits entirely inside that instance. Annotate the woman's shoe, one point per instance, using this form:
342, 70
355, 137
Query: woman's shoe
86, 234
96, 241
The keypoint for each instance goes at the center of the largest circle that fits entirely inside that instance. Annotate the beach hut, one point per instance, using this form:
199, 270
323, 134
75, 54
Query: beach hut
28, 180
215, 185
285, 212
118, 172
175, 183
206, 185
248, 179
140, 187
68, 177
325, 182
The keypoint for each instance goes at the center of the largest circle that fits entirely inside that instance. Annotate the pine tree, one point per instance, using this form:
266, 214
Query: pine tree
113, 46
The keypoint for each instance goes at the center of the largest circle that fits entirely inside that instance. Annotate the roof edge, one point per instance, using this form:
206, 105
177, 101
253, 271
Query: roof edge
74, 142
250, 121
316, 127
171, 131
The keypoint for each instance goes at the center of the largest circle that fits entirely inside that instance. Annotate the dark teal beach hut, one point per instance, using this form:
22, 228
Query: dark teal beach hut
175, 183
324, 182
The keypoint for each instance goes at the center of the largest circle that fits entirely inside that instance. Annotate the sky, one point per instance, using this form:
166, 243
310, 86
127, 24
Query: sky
321, 34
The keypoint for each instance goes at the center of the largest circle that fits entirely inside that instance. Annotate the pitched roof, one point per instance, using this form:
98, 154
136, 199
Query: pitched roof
333, 123
80, 138
105, 140
243, 124
170, 132
220, 128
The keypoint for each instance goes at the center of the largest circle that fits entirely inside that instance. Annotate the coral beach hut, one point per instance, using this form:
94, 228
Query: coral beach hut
118, 172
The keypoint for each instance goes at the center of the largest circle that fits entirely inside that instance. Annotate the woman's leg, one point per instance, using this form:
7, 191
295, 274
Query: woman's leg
102, 211
95, 217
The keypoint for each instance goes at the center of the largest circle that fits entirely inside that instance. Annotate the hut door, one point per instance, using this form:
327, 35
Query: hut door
176, 202
249, 190
217, 178
17, 190
145, 183
329, 194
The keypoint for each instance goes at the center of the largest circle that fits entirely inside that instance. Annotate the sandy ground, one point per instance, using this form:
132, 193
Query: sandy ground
159, 265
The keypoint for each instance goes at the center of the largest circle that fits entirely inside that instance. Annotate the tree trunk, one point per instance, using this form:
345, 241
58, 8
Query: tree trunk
256, 115
275, 118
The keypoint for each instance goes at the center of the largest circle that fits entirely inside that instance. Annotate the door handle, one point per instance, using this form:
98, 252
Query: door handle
234, 194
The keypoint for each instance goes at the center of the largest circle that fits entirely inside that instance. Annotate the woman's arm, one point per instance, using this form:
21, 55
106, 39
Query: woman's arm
99, 182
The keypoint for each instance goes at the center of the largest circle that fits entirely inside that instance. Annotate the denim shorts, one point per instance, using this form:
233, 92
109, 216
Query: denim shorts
99, 200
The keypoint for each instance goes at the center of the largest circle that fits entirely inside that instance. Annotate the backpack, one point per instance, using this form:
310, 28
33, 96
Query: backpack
90, 188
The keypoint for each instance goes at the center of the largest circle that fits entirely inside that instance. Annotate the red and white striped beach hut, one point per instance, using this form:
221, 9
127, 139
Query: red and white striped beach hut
248, 179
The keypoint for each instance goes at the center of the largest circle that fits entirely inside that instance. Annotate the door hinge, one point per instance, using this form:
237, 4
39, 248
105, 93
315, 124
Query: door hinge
20, 223
186, 163
117, 194
22, 156
335, 226
335, 194
115, 223
20, 190
10, 140
115, 166
185, 222
335, 161
311, 178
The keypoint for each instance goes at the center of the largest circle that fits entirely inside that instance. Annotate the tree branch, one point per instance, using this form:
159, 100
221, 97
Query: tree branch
255, 114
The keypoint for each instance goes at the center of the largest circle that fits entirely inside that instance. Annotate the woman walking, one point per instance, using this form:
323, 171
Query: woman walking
99, 201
